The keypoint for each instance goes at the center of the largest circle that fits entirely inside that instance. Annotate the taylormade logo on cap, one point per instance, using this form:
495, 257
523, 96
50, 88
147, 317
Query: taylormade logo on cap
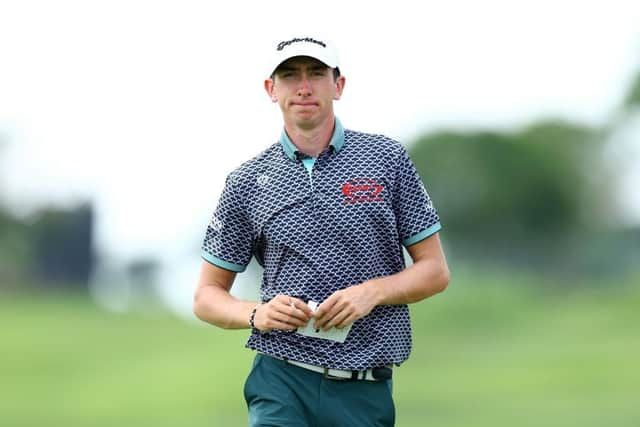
282, 45
322, 50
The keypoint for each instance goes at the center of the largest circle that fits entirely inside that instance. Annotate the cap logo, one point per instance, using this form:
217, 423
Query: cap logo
284, 44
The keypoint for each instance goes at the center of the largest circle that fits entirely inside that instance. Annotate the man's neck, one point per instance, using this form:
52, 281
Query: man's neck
313, 141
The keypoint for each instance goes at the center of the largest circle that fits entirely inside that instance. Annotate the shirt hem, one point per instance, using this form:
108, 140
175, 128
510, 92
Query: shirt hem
237, 268
422, 235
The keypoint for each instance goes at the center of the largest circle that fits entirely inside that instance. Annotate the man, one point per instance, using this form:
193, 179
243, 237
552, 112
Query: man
326, 211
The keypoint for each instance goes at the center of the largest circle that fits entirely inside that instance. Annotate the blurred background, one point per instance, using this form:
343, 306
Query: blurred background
119, 122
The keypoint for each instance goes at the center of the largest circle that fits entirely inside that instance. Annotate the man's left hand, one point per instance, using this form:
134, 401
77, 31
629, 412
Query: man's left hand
346, 306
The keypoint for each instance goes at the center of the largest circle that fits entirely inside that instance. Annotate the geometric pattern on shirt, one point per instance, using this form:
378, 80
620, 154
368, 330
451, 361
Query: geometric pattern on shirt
311, 242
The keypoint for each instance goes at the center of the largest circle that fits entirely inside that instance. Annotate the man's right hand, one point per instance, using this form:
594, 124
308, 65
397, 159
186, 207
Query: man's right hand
282, 312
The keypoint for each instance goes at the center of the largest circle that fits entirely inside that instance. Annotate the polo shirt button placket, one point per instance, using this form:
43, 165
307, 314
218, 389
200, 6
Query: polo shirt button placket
314, 192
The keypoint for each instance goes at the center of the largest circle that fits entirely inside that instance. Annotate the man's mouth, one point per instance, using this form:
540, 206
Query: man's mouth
305, 104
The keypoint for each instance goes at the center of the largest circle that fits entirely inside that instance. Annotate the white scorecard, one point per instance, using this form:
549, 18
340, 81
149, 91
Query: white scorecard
333, 334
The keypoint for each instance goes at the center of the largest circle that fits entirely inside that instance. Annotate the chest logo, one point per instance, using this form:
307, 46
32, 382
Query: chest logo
362, 190
263, 180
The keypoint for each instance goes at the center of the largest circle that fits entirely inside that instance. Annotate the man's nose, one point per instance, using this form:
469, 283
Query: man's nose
304, 87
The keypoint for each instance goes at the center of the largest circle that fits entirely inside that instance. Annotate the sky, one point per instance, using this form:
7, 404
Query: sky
144, 107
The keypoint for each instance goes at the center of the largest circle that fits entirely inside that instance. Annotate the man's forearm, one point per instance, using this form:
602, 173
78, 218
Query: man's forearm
421, 280
217, 306
426, 277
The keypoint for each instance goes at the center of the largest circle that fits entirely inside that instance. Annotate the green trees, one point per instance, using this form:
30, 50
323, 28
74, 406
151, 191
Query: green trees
50, 248
510, 183
541, 196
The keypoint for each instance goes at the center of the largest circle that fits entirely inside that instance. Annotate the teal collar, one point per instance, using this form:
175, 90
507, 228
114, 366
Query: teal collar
337, 141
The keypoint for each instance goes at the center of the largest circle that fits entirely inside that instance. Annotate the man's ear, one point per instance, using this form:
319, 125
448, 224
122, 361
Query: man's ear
269, 87
340, 81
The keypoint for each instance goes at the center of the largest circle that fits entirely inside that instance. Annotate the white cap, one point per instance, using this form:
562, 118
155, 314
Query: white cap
322, 50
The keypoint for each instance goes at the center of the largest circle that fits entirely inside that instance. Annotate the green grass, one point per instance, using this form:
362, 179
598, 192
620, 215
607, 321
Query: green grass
490, 351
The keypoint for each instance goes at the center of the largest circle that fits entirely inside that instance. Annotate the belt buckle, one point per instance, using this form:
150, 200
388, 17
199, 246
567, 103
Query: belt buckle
382, 373
328, 376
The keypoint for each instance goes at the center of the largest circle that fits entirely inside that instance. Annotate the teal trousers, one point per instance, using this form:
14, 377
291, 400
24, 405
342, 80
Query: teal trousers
282, 395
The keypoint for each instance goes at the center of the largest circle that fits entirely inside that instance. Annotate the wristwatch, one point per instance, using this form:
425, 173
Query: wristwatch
252, 318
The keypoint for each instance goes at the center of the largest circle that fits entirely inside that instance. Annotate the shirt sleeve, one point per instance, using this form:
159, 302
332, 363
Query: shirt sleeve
416, 217
228, 240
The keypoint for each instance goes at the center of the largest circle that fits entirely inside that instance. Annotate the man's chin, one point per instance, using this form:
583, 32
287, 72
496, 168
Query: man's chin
306, 124
306, 120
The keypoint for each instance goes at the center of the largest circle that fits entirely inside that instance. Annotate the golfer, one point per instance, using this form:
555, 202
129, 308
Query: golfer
326, 211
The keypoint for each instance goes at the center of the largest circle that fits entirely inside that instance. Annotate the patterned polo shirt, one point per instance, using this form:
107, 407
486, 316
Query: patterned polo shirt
321, 225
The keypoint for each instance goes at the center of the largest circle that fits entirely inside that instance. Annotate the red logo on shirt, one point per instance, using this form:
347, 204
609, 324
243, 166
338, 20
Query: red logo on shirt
362, 190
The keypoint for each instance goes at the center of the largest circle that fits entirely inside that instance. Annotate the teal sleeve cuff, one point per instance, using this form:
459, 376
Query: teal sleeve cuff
422, 235
222, 263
